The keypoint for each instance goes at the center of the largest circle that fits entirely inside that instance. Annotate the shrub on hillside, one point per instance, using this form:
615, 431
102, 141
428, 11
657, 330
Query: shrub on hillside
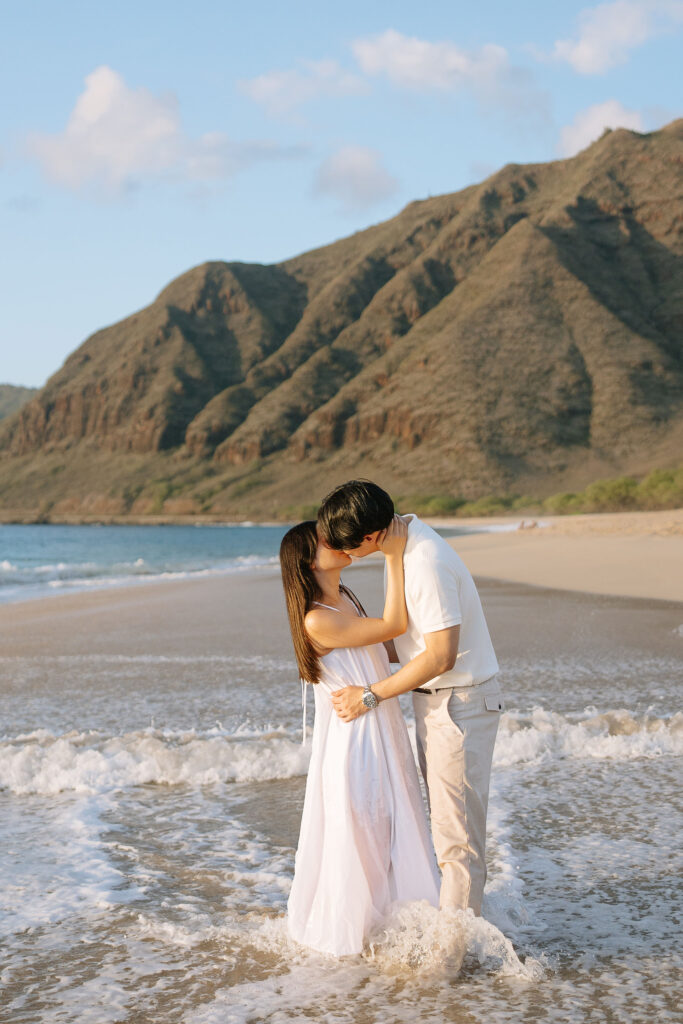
299, 513
429, 504
662, 488
490, 506
611, 495
525, 503
563, 504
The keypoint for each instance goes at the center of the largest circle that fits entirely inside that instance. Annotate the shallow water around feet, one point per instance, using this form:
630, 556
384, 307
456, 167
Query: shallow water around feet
150, 799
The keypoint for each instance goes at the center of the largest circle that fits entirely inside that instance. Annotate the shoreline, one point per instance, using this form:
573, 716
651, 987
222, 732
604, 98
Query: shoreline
591, 520
635, 555
135, 601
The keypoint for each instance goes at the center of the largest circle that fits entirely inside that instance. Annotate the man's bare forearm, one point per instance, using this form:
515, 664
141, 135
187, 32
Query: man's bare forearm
418, 672
439, 656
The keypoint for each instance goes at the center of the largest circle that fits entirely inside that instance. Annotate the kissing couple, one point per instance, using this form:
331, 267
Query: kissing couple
364, 841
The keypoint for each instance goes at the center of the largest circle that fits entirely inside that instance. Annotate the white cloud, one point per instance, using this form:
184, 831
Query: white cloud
355, 176
282, 91
414, 64
589, 125
417, 64
117, 136
422, 66
608, 32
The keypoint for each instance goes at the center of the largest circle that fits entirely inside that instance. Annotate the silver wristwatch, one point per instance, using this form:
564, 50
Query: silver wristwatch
369, 698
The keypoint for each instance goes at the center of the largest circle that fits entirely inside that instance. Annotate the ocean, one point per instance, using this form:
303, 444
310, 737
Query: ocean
152, 775
37, 560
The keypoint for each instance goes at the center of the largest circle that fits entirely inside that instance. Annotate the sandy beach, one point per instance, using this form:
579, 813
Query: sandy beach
634, 554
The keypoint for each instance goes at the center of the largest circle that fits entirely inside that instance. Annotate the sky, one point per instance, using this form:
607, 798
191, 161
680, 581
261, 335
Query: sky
141, 138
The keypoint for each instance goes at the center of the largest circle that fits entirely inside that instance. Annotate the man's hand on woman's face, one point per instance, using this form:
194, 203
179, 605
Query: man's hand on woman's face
348, 703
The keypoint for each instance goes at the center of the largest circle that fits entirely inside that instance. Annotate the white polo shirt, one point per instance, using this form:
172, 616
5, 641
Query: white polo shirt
440, 592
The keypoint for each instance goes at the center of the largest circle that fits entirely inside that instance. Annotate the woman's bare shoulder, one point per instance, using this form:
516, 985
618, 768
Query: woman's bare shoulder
326, 619
318, 614
320, 618
316, 622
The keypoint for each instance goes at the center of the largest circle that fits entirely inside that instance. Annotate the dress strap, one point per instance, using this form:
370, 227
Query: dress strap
352, 597
331, 607
304, 691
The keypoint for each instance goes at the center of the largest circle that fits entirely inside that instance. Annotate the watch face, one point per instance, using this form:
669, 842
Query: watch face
369, 699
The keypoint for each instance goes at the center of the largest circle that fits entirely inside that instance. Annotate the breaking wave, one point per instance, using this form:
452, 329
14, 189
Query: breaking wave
93, 762
618, 734
89, 762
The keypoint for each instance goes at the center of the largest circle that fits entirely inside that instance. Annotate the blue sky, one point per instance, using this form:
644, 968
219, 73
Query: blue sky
142, 138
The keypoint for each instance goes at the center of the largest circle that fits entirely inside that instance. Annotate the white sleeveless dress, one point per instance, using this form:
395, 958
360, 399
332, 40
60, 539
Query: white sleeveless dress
364, 840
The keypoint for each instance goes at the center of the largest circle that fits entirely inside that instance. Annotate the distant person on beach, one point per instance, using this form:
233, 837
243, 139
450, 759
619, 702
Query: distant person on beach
364, 840
449, 663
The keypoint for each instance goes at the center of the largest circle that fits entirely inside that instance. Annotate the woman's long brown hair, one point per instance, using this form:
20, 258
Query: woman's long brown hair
297, 555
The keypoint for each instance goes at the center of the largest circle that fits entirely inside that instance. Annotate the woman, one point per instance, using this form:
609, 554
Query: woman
364, 839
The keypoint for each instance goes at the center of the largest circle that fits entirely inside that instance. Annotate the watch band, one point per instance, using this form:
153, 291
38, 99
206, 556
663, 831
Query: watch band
369, 698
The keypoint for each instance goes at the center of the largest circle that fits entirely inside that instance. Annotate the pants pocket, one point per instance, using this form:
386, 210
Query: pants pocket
451, 712
494, 702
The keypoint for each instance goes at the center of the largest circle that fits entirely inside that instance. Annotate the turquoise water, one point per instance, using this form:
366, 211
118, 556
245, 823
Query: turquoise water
36, 560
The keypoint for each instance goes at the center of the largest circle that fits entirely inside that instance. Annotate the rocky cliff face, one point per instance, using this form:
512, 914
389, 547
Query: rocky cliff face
502, 333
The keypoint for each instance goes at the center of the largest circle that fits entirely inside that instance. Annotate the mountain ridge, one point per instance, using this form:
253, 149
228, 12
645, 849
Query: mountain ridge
520, 333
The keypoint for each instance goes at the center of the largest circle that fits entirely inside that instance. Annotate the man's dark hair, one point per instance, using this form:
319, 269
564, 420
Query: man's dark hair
352, 511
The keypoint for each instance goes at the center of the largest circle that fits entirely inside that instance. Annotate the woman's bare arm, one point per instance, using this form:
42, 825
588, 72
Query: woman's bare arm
329, 629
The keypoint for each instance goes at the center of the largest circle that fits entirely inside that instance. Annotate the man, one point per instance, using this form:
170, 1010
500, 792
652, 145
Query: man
449, 663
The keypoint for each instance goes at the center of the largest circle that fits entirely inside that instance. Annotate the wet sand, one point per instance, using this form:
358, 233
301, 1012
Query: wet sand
246, 612
153, 783
183, 616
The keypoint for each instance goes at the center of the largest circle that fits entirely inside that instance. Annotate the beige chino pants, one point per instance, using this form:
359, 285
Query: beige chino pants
456, 731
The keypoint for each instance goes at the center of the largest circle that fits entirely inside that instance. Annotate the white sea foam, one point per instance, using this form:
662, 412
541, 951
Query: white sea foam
50, 881
415, 936
256, 660
504, 902
90, 763
614, 734
114, 577
419, 945
267, 934
25, 582
508, 527
419, 936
